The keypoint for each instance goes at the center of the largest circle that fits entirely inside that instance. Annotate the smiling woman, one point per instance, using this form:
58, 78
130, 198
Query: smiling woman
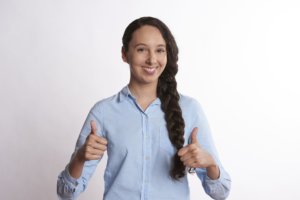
146, 55
160, 135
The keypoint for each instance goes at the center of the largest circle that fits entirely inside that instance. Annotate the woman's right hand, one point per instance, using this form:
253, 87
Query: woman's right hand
94, 146
93, 149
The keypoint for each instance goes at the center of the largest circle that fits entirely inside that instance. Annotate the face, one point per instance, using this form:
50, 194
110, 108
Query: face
146, 55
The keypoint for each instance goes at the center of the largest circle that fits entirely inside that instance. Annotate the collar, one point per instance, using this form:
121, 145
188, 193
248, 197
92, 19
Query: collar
125, 93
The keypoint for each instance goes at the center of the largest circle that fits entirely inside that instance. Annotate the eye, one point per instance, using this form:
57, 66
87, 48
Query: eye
161, 50
141, 49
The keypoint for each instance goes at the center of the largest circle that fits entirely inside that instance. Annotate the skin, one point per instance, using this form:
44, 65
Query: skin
93, 149
194, 156
147, 58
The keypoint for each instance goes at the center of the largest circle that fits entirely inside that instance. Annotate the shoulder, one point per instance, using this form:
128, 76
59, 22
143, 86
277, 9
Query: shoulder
106, 101
191, 108
187, 102
193, 113
101, 104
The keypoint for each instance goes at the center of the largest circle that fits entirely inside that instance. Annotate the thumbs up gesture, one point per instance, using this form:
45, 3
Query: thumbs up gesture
94, 146
194, 156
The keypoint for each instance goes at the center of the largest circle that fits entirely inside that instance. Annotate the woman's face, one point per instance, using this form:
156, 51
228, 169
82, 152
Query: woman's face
146, 55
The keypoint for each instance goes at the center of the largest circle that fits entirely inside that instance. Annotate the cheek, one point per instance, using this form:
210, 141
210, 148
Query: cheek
165, 58
164, 61
137, 59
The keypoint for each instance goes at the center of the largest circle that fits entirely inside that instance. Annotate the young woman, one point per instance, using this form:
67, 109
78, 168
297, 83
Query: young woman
153, 135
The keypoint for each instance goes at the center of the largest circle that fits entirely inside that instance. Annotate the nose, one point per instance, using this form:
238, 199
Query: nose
151, 60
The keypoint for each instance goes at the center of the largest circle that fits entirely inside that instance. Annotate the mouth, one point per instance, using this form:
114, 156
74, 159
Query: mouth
150, 70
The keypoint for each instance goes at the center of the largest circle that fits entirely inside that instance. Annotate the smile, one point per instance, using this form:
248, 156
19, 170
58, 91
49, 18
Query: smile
150, 70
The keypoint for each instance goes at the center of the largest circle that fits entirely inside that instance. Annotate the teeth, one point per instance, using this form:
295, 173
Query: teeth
149, 69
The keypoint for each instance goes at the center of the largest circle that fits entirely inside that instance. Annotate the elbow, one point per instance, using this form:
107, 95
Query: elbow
219, 196
220, 191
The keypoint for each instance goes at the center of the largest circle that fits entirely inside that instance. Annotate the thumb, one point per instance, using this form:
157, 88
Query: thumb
194, 139
93, 127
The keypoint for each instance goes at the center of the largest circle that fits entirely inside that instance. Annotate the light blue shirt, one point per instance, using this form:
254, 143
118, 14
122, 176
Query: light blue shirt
139, 152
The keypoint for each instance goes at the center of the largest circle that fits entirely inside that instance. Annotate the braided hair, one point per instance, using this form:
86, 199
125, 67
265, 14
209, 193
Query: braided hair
166, 88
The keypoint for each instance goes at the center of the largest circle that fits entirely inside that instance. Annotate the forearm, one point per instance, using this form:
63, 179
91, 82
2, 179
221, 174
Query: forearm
73, 179
76, 166
68, 187
217, 189
213, 172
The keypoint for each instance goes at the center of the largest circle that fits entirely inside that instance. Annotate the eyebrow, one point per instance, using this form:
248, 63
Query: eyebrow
143, 44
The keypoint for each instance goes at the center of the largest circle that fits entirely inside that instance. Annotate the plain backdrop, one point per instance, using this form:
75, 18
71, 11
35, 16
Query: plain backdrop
238, 58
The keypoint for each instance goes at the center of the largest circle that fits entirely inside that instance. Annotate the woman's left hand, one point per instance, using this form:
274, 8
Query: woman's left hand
194, 156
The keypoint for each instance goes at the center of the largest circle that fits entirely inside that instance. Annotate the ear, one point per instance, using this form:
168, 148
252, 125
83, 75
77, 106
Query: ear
124, 56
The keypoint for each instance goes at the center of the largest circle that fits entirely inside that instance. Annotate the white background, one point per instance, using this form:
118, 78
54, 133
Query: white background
239, 58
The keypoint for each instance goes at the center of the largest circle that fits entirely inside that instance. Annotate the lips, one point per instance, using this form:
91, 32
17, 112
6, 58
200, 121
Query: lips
150, 70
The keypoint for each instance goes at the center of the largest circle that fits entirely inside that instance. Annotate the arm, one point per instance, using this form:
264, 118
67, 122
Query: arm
220, 187
201, 154
208, 168
88, 152
195, 156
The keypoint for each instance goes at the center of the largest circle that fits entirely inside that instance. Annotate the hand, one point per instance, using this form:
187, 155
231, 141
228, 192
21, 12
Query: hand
94, 146
194, 156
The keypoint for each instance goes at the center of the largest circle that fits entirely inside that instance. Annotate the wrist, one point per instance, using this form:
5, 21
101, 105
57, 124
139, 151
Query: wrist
78, 157
76, 165
213, 172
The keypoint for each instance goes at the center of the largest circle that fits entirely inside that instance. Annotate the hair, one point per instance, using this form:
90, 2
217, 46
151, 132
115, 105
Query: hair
166, 89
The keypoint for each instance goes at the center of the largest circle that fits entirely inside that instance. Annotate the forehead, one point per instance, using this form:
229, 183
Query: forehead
148, 35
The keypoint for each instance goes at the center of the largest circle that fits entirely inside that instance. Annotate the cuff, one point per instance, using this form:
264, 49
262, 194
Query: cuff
72, 181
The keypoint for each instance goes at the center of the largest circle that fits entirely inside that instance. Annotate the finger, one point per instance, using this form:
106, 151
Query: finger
93, 157
186, 157
192, 153
188, 148
194, 139
96, 152
183, 151
98, 146
101, 140
91, 151
93, 127
193, 162
189, 162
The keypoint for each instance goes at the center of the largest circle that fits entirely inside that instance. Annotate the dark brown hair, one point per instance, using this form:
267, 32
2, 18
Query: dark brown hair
166, 88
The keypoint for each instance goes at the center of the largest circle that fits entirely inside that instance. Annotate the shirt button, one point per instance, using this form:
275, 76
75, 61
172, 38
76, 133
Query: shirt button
147, 157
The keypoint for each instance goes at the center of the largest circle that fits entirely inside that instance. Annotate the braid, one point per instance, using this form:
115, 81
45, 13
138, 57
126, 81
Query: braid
168, 94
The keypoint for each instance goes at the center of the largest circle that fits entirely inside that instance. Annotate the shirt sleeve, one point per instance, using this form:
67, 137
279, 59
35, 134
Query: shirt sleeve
217, 189
67, 186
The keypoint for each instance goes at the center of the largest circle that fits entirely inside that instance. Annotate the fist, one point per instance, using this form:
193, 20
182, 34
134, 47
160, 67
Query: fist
94, 146
193, 155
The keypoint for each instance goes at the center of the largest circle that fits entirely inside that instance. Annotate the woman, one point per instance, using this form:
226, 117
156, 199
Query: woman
152, 134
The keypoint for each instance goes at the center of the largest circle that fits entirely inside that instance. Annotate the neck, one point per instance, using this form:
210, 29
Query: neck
143, 92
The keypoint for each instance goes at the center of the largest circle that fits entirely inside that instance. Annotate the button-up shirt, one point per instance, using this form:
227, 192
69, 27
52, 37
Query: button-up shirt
139, 152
